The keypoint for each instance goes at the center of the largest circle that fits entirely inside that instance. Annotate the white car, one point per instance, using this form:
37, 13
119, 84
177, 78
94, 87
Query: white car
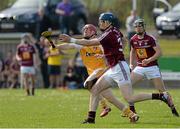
168, 21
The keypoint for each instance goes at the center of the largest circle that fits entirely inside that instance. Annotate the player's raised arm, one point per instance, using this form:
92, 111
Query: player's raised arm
66, 46
84, 42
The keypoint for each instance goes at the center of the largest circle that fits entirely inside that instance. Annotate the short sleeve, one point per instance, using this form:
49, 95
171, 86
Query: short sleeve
153, 41
131, 43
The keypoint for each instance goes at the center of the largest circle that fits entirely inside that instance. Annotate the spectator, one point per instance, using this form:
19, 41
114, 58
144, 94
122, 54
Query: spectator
15, 72
53, 56
6, 71
130, 24
43, 23
44, 66
9, 58
80, 70
70, 80
6, 76
64, 10
1, 72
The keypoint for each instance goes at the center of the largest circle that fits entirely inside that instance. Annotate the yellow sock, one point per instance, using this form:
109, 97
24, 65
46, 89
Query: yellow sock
103, 103
127, 112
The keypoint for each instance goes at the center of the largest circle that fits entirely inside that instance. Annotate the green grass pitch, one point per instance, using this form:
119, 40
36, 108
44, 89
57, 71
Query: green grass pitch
67, 109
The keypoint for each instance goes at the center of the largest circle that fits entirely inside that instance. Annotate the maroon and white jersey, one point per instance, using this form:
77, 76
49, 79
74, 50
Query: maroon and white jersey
26, 51
144, 48
111, 41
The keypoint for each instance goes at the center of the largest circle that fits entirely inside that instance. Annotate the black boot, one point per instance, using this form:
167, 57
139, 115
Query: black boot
91, 118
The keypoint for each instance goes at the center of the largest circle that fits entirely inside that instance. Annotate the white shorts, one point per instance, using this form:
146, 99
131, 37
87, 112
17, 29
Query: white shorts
120, 73
95, 75
28, 69
148, 72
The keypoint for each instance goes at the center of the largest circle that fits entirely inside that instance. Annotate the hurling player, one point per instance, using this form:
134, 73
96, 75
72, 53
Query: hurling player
145, 51
91, 56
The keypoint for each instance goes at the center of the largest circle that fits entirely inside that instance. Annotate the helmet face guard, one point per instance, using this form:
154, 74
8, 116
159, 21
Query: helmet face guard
140, 23
107, 17
111, 18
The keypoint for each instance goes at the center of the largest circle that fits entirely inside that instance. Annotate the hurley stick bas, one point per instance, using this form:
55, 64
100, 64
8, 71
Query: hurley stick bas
47, 35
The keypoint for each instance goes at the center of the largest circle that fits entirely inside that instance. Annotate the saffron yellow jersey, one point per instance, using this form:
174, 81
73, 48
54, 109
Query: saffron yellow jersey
54, 60
90, 60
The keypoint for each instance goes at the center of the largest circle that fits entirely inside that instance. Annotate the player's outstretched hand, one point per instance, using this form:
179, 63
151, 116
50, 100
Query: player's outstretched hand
64, 38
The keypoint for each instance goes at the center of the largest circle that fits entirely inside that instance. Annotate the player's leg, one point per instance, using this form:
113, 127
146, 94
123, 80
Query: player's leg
136, 77
26, 83
103, 104
153, 74
121, 75
32, 79
105, 108
90, 81
127, 93
125, 110
107, 93
159, 85
126, 90
102, 87
24, 77
32, 76
124, 82
92, 78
